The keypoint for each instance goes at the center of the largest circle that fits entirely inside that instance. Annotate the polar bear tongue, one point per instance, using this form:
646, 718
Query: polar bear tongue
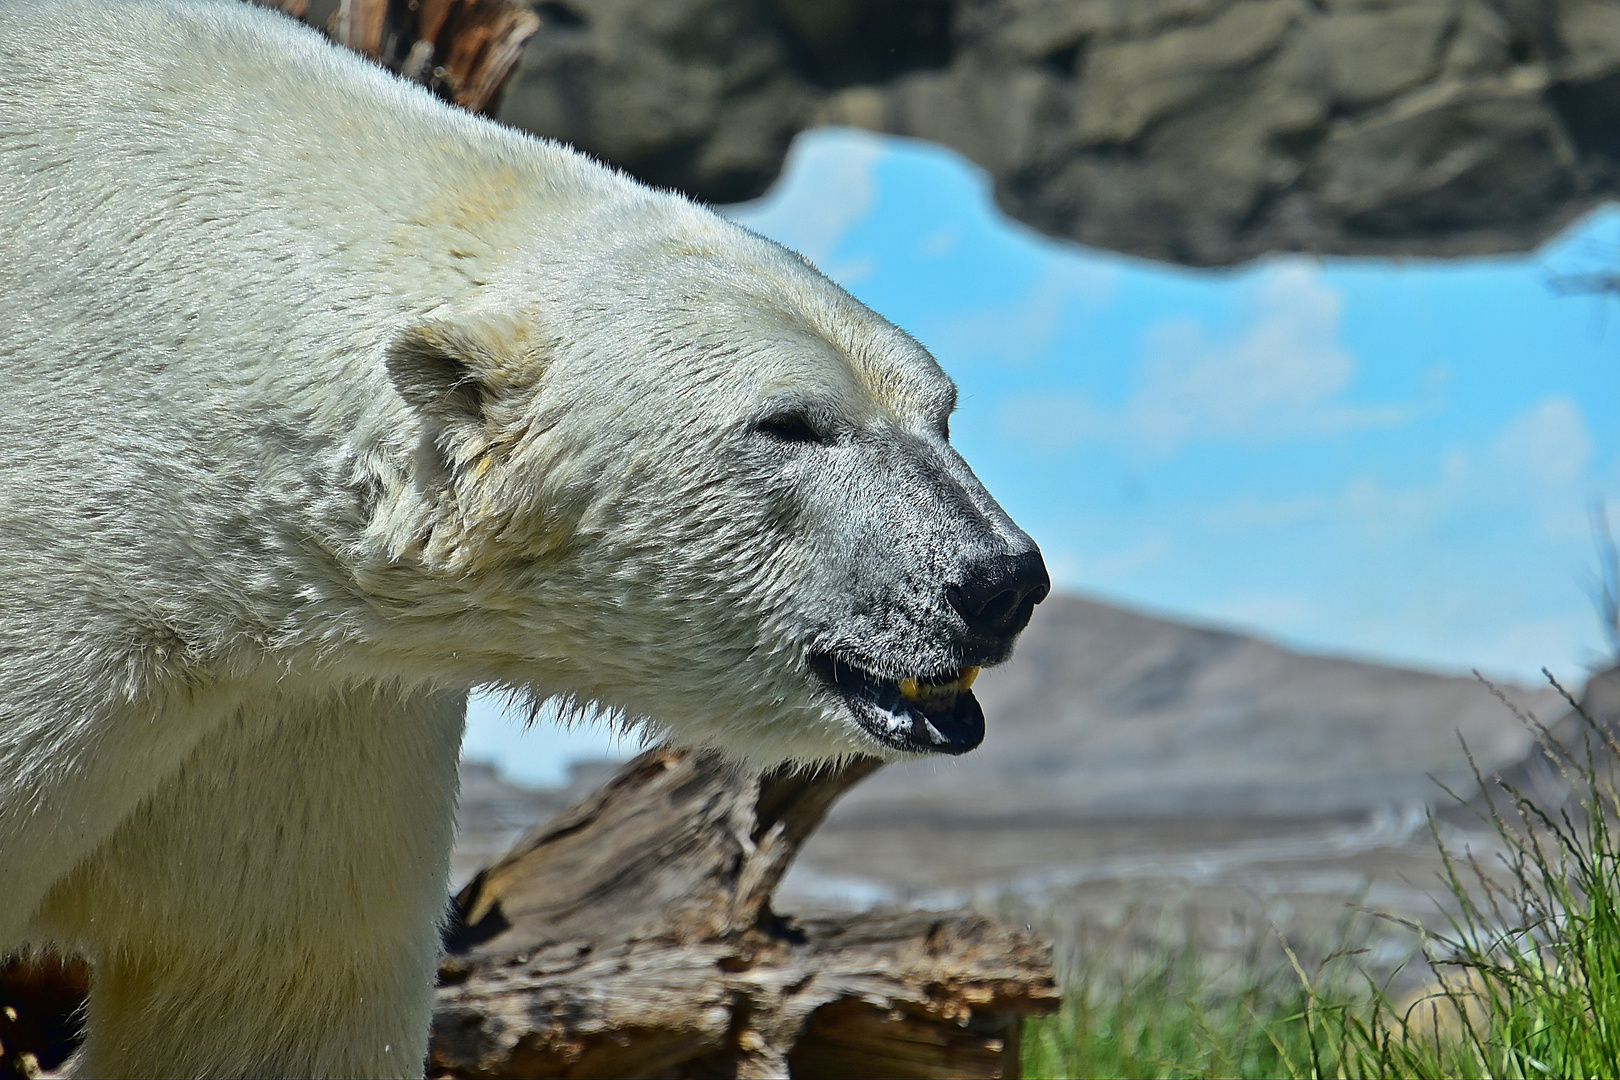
922, 724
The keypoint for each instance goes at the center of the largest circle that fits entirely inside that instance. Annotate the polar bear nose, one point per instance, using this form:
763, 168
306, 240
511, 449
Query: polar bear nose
1000, 593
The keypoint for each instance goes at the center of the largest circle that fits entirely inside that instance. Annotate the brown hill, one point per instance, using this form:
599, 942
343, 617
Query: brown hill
1135, 764
1104, 713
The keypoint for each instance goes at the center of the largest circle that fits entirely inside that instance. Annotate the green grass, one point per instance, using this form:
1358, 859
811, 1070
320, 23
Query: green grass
1524, 983
1175, 1015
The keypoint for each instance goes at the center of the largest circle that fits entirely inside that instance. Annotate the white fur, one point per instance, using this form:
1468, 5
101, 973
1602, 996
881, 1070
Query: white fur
255, 544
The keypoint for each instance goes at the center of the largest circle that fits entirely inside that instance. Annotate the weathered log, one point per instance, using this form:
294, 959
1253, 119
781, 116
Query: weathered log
633, 936
296, 8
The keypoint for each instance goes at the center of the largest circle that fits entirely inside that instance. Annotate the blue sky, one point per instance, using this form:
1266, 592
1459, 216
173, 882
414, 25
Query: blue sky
1391, 460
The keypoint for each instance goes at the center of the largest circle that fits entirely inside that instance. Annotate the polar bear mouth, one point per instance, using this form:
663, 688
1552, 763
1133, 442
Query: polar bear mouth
933, 715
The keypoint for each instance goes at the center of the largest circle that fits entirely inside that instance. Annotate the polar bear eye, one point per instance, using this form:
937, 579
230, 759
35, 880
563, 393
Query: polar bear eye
789, 427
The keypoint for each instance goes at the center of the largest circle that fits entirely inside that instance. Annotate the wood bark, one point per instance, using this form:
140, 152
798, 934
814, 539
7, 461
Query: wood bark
633, 935
295, 8
460, 49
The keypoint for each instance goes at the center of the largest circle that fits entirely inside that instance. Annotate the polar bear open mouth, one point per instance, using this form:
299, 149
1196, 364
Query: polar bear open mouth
933, 715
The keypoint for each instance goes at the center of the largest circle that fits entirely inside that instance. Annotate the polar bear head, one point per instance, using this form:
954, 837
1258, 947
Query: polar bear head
680, 474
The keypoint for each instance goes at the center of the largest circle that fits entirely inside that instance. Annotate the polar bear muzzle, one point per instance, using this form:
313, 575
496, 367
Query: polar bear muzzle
937, 713
912, 714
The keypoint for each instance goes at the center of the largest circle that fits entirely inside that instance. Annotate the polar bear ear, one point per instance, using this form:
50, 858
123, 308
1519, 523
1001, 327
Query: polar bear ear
442, 369
452, 370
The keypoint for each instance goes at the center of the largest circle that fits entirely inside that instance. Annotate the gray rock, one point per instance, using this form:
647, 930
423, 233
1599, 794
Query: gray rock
1197, 131
703, 95
1131, 86
1475, 160
1369, 57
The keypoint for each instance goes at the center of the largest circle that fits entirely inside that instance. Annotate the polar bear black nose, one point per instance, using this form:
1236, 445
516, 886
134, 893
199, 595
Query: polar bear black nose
1000, 593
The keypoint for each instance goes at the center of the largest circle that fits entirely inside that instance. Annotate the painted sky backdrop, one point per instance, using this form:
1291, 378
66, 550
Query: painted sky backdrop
1389, 460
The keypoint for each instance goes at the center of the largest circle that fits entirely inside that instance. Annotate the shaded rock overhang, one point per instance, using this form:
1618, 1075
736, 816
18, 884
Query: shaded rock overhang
1201, 132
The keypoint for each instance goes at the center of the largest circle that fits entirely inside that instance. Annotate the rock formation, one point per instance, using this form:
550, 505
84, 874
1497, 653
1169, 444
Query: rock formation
1204, 132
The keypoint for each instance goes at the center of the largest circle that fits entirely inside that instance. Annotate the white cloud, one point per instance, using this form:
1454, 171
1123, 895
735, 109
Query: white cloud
1395, 541
940, 243
1547, 444
1285, 365
1539, 462
827, 188
1282, 375
1049, 423
1534, 467
1364, 507
1107, 570
1027, 327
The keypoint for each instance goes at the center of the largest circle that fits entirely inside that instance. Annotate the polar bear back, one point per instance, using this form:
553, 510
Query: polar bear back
193, 378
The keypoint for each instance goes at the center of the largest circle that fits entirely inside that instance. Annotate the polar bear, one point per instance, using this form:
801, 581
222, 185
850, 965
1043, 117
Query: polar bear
322, 402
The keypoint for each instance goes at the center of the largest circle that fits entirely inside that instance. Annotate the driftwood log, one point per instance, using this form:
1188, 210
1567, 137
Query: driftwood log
633, 935
460, 49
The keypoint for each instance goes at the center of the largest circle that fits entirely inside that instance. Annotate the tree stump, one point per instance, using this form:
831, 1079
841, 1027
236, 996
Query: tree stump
633, 935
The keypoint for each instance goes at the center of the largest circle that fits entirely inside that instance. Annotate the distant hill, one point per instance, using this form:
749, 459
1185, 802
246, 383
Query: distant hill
1132, 761
1590, 733
1104, 713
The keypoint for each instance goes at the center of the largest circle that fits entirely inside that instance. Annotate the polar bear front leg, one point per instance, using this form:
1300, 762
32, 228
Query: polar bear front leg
273, 910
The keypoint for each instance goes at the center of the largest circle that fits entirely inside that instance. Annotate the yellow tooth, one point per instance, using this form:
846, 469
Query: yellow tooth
967, 676
908, 689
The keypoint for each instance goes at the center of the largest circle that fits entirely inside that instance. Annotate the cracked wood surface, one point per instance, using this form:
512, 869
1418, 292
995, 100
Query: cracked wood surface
633, 935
